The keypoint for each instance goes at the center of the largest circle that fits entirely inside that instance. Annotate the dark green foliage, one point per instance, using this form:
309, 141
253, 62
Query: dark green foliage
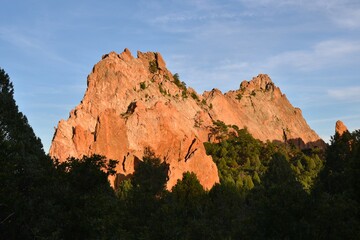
242, 160
277, 205
150, 175
306, 166
162, 91
87, 202
142, 199
184, 94
124, 189
182, 214
227, 211
237, 158
238, 96
43, 200
143, 85
181, 85
176, 79
194, 96
153, 67
336, 194
339, 155
266, 190
218, 131
24, 170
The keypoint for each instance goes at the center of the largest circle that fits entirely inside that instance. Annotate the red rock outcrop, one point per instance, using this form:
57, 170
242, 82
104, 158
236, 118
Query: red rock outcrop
340, 128
134, 103
260, 106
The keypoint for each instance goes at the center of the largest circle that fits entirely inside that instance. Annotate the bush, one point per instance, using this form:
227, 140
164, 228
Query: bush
153, 68
181, 85
194, 96
238, 96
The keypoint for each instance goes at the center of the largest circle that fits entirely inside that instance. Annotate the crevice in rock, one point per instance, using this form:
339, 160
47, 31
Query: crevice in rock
130, 110
124, 160
210, 117
123, 163
252, 104
73, 132
190, 152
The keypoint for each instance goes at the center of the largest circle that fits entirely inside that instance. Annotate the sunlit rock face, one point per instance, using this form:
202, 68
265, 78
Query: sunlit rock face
340, 128
135, 103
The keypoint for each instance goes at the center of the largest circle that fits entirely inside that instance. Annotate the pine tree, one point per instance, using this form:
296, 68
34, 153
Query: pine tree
24, 168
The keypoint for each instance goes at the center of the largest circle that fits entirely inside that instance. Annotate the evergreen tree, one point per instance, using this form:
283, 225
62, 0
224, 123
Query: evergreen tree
277, 205
336, 210
88, 207
183, 212
141, 201
24, 173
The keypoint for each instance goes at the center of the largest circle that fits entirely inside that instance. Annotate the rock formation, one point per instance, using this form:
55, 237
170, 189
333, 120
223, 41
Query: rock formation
340, 128
260, 106
135, 103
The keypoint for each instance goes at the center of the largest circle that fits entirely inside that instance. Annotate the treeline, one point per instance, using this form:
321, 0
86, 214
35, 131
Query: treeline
266, 190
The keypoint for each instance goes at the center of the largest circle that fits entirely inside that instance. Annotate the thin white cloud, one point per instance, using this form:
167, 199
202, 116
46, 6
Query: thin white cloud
347, 17
348, 93
32, 44
18, 39
334, 119
344, 13
323, 54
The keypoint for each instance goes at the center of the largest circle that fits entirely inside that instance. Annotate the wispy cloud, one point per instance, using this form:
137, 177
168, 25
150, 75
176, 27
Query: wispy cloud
323, 54
31, 43
18, 39
334, 119
347, 17
348, 93
344, 13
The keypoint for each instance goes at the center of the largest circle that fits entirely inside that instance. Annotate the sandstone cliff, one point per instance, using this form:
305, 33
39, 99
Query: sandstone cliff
134, 103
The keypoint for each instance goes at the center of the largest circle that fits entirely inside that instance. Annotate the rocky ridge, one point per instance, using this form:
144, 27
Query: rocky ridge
135, 103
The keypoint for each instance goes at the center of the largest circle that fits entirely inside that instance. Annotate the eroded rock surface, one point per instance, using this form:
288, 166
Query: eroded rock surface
135, 103
340, 128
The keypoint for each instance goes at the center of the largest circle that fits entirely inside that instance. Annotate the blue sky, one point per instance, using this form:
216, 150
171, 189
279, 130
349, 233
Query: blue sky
310, 49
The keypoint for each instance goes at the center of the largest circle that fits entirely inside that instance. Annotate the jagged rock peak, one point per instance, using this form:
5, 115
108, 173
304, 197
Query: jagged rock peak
261, 82
340, 128
127, 56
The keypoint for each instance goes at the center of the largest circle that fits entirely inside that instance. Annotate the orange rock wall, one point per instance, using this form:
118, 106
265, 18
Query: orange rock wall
133, 103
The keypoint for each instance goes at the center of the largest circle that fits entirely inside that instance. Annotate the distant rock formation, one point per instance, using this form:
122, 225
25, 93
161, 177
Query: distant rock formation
340, 128
135, 103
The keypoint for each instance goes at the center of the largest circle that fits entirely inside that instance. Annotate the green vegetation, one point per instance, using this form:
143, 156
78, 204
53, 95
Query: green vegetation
181, 85
238, 96
242, 159
184, 94
194, 96
143, 85
266, 190
153, 67
198, 121
162, 91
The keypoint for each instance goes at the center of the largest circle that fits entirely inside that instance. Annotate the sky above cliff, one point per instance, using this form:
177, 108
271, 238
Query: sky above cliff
310, 49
